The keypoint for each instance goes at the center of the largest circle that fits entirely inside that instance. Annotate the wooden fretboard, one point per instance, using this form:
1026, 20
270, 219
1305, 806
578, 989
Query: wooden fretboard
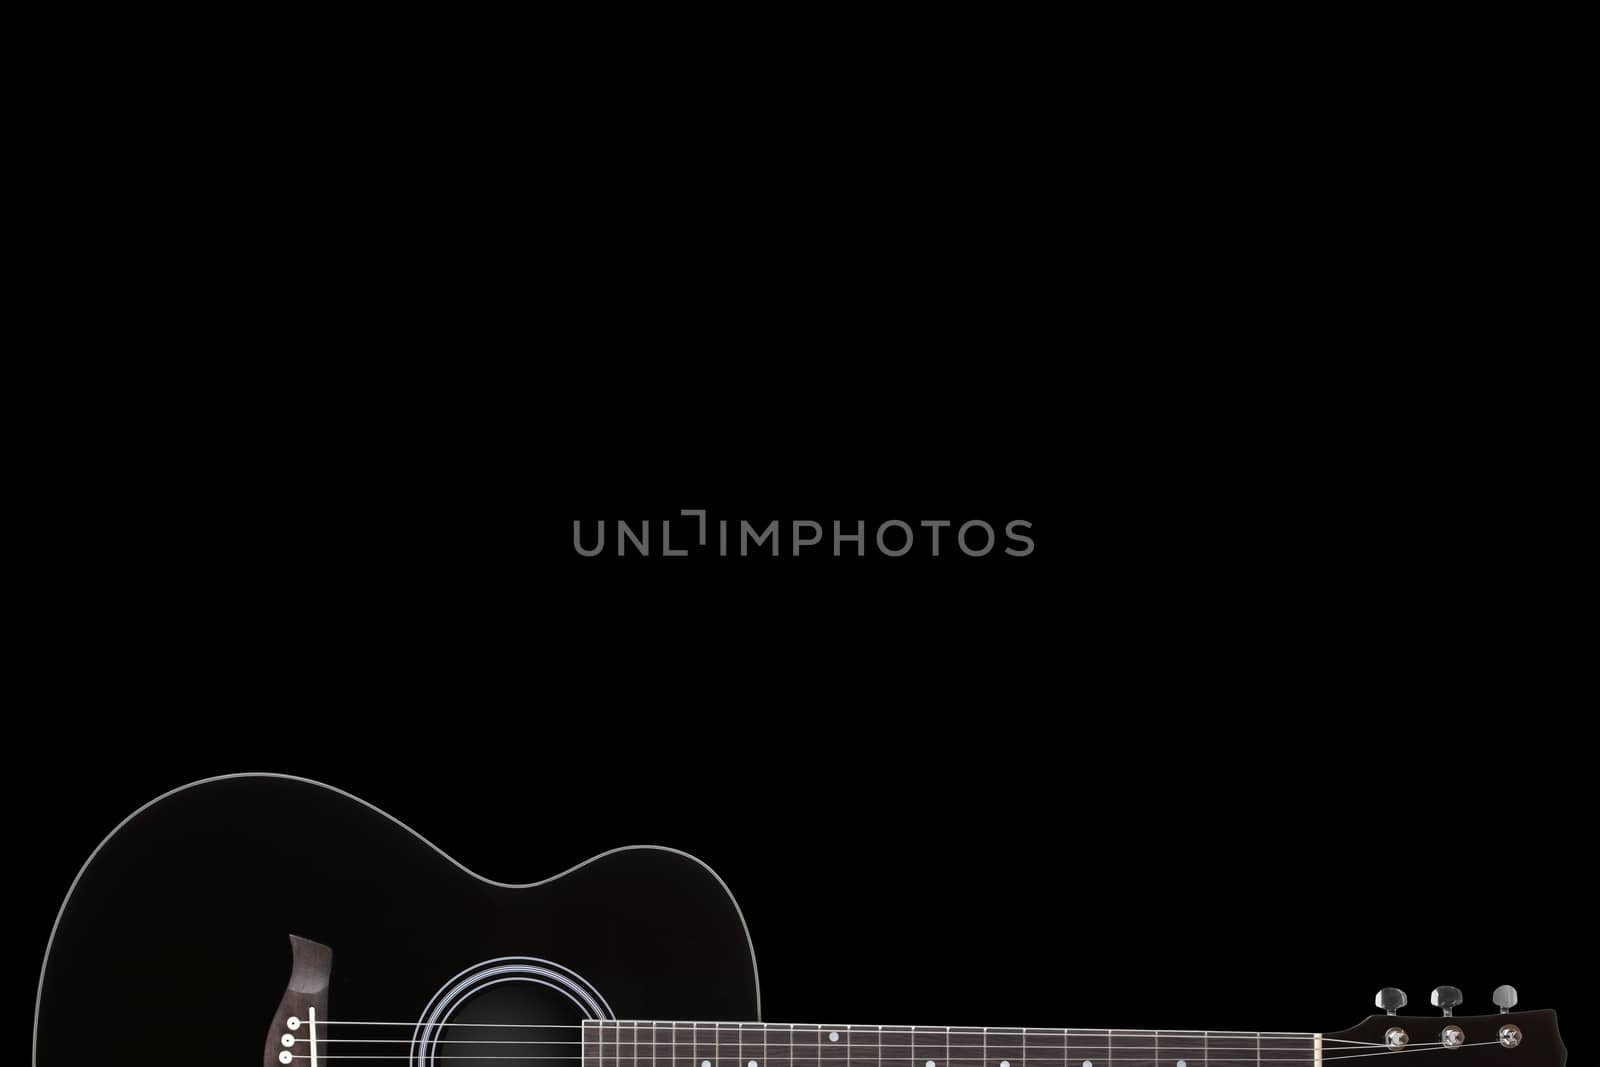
668, 1044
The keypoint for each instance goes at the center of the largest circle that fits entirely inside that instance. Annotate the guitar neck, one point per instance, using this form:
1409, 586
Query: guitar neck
683, 1044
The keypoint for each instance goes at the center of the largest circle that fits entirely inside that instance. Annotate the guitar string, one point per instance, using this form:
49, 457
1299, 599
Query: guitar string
1037, 1052
1304, 1059
1046, 1043
805, 1029
897, 1029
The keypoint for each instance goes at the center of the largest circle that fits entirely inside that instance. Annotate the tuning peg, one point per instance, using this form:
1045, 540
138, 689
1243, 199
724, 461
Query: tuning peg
1391, 999
1506, 997
1447, 997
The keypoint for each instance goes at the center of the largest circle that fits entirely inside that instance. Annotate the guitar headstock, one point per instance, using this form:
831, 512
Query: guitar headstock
1507, 1039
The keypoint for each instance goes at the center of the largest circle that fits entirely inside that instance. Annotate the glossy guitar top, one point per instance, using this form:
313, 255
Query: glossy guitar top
173, 945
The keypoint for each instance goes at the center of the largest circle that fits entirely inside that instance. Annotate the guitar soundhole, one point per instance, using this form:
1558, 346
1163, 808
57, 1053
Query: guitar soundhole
522, 1019
514, 1009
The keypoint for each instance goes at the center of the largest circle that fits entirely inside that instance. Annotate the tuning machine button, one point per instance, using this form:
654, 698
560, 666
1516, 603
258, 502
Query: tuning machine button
1505, 997
1447, 998
1391, 999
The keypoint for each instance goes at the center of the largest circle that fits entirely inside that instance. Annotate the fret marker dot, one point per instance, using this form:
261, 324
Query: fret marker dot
1005, 1063
1088, 1063
1183, 1063
752, 1063
834, 1036
705, 1063
930, 1063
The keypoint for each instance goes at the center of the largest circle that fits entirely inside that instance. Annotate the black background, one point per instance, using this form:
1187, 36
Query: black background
1260, 727
1083, 788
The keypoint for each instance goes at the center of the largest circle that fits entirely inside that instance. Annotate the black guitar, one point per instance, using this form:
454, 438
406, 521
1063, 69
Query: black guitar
279, 876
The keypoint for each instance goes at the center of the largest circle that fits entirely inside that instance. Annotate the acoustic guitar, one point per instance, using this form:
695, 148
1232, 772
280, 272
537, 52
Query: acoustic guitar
205, 931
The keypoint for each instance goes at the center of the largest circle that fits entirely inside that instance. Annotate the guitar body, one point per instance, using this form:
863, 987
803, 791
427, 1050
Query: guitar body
266, 919
174, 945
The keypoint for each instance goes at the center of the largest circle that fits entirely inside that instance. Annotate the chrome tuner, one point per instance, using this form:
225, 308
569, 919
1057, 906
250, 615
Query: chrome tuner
1447, 997
1452, 1036
1510, 1035
1506, 997
1391, 999
1395, 1039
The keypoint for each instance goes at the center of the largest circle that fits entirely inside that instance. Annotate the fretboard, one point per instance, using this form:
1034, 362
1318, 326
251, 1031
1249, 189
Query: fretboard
668, 1044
